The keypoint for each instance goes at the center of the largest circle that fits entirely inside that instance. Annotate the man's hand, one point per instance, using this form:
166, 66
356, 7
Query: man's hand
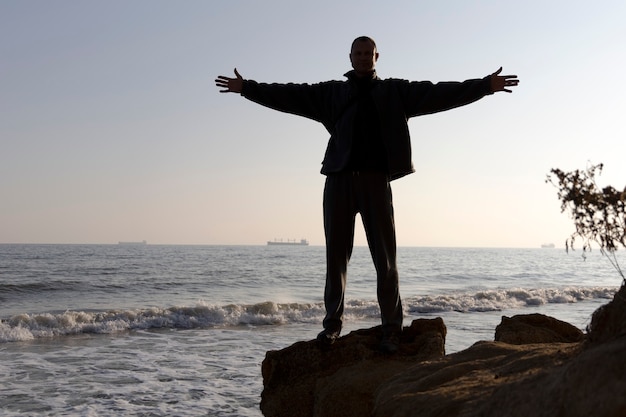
231, 85
500, 82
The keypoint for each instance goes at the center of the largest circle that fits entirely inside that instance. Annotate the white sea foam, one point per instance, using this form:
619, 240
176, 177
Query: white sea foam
503, 299
29, 326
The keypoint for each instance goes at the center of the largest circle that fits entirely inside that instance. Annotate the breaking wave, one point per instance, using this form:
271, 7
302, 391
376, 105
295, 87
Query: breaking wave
30, 326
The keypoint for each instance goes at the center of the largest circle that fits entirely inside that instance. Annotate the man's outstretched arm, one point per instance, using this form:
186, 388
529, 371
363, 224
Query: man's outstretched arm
301, 99
500, 82
231, 85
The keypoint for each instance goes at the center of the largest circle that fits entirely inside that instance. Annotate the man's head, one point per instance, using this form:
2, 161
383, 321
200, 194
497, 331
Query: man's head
363, 55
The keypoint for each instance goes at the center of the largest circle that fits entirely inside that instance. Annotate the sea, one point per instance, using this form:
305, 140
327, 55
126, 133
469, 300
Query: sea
158, 330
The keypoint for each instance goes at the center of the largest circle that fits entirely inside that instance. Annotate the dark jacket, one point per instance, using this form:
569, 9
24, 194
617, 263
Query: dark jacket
332, 103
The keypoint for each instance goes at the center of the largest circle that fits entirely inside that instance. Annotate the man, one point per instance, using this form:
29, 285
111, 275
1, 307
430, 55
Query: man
369, 146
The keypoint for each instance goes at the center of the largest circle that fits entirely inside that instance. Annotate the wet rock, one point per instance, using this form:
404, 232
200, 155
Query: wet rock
536, 328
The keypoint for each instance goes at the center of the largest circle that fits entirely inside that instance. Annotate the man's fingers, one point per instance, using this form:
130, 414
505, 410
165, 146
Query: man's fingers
237, 74
501, 82
510, 80
229, 85
222, 81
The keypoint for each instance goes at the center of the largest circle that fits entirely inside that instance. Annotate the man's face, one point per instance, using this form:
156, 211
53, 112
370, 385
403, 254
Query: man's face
363, 57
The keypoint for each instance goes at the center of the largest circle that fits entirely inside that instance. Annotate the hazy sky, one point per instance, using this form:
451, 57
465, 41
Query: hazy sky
111, 127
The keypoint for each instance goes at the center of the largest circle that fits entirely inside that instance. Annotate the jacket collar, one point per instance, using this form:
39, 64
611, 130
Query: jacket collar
352, 75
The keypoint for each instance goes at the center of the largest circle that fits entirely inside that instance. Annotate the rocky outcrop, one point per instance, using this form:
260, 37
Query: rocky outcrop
609, 321
305, 380
537, 366
536, 328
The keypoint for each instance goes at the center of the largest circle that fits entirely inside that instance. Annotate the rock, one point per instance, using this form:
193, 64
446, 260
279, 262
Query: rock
464, 382
494, 379
592, 383
306, 380
536, 328
546, 368
609, 321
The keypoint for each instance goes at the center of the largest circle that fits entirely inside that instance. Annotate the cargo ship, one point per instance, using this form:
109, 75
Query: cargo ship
290, 242
143, 242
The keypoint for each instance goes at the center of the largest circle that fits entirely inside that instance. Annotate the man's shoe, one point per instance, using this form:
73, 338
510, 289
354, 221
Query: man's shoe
328, 337
390, 342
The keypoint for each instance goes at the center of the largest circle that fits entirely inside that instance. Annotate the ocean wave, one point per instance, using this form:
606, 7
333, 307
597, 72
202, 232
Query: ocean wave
29, 326
9, 289
503, 299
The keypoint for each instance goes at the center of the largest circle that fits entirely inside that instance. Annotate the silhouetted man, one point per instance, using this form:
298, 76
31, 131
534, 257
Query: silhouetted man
369, 146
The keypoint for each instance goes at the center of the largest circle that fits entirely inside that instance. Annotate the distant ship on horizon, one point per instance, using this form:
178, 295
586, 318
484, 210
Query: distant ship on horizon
291, 242
547, 245
143, 242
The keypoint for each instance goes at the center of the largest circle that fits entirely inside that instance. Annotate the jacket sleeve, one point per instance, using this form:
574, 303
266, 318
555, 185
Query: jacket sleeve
424, 97
307, 100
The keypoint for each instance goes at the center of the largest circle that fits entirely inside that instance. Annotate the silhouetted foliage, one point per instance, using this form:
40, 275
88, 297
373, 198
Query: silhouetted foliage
599, 214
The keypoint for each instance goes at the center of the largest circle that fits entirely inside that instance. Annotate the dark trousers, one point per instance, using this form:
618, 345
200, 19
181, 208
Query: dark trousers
345, 195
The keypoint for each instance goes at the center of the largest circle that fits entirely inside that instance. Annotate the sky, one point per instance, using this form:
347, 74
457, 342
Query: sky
112, 129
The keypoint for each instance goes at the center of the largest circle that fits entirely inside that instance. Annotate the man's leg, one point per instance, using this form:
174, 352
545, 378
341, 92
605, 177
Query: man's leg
376, 208
339, 215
